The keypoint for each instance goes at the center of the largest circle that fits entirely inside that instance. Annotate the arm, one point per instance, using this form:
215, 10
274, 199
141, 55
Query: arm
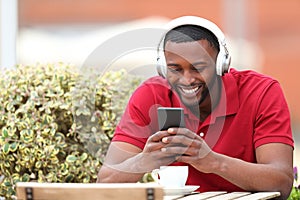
272, 139
272, 172
120, 153
127, 163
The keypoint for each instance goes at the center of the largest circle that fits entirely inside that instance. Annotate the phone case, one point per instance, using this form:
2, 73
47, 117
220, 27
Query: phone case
170, 117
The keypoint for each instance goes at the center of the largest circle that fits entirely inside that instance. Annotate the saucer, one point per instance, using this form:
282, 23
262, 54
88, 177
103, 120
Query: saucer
180, 190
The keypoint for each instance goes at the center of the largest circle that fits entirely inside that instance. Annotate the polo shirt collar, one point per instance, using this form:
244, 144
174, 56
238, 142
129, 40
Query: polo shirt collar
229, 101
228, 104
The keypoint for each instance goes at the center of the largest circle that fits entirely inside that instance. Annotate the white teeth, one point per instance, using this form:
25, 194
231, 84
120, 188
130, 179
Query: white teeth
190, 91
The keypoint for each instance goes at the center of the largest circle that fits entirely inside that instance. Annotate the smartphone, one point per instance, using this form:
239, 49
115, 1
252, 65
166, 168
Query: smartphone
170, 117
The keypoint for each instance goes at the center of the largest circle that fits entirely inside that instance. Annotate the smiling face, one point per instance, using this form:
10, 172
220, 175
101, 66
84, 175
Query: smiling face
191, 71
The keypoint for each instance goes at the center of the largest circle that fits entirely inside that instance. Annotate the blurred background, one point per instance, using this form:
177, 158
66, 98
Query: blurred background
262, 35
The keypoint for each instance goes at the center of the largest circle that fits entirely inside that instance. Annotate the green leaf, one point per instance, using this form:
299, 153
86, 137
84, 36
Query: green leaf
10, 106
13, 146
71, 158
16, 177
69, 178
4, 132
86, 179
53, 131
10, 158
5, 148
83, 157
38, 164
65, 172
18, 168
25, 178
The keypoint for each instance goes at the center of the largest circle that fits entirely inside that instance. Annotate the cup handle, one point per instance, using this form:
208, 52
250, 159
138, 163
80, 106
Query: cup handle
155, 175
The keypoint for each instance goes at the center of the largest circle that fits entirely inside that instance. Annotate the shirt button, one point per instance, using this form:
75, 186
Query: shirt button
201, 134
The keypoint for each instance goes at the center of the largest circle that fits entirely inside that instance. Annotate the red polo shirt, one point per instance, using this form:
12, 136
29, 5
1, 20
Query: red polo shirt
252, 111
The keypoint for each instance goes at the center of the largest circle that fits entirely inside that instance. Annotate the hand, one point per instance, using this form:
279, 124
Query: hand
189, 148
153, 155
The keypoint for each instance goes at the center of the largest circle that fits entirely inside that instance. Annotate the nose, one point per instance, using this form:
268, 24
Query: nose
188, 77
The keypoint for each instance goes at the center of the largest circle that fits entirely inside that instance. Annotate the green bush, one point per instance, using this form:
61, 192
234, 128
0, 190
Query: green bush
56, 124
295, 193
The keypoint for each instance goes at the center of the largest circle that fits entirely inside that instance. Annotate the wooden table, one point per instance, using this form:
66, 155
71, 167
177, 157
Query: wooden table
225, 196
121, 191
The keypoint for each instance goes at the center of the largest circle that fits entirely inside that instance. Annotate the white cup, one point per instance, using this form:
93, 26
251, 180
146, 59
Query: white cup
171, 176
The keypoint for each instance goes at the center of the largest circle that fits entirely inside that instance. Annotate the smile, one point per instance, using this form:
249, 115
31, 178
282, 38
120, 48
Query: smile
190, 90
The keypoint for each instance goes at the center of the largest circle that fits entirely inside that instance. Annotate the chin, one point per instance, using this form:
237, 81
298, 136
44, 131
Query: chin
190, 102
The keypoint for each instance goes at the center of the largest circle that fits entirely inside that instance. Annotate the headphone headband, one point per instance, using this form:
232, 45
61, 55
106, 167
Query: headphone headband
197, 21
223, 59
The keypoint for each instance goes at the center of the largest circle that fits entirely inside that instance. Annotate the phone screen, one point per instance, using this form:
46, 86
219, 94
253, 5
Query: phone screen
170, 117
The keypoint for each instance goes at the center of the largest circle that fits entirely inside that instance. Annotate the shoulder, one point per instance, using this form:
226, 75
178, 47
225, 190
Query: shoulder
252, 88
252, 81
250, 76
153, 86
154, 90
156, 81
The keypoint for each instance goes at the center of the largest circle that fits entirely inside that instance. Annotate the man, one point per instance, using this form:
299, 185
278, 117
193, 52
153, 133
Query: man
237, 136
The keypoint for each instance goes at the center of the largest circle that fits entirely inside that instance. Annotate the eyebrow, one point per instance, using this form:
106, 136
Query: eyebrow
194, 64
173, 64
200, 63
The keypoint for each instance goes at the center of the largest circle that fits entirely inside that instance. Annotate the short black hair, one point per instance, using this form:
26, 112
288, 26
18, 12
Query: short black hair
190, 33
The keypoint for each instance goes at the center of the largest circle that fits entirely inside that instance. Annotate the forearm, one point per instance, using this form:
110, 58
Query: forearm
110, 175
255, 177
126, 172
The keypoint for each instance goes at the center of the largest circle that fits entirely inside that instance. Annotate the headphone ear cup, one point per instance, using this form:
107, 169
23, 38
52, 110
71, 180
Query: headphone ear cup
161, 65
219, 64
222, 63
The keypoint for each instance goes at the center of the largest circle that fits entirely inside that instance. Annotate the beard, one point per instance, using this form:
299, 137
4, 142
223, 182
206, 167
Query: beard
195, 102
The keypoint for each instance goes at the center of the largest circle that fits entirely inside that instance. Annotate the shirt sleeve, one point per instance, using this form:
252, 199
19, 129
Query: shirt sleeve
272, 123
139, 120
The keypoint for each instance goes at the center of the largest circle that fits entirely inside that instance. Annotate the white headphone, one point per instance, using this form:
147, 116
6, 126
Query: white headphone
223, 58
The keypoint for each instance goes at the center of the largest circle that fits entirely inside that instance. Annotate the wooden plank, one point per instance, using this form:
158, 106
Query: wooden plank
173, 197
229, 196
260, 196
89, 191
202, 196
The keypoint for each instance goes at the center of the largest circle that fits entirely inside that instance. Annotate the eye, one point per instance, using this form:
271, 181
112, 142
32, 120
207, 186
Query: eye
174, 69
198, 68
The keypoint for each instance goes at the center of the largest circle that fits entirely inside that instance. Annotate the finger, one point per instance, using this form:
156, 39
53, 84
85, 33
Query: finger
184, 131
175, 150
185, 159
153, 146
195, 149
182, 140
156, 137
188, 138
192, 159
153, 160
154, 142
